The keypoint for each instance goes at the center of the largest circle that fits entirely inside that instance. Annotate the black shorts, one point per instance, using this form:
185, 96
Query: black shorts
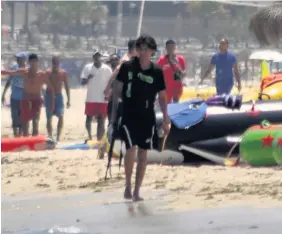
139, 133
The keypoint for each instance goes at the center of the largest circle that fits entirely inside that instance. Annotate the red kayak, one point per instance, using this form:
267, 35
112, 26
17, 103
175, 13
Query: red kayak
26, 143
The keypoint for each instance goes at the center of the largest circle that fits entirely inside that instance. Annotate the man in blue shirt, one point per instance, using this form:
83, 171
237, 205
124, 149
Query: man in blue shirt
17, 86
225, 63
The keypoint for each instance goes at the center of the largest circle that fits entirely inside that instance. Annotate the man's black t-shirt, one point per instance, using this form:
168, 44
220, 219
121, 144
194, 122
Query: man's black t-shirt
140, 88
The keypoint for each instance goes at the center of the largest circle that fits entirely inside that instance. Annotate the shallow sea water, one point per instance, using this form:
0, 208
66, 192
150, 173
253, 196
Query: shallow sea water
85, 214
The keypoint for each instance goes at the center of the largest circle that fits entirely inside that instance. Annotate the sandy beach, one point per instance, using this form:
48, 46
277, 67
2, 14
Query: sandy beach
187, 187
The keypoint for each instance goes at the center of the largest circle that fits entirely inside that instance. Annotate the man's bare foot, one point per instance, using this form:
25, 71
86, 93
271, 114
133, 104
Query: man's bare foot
127, 194
137, 198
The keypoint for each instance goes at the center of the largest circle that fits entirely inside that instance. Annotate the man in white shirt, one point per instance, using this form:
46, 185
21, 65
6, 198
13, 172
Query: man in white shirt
96, 76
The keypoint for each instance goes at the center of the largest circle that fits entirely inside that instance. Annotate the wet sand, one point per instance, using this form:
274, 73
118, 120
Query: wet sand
84, 213
187, 187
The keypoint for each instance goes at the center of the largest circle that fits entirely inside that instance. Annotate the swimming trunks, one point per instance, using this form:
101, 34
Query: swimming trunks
30, 109
95, 109
59, 105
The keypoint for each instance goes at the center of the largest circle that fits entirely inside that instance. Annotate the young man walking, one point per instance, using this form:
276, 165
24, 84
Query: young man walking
96, 75
138, 83
58, 78
17, 88
225, 63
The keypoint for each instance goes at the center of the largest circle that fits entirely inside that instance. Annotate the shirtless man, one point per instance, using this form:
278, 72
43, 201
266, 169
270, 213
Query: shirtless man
31, 103
58, 77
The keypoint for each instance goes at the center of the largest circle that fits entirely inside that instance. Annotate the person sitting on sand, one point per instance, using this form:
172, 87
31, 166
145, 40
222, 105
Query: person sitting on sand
96, 75
31, 103
138, 83
17, 87
58, 77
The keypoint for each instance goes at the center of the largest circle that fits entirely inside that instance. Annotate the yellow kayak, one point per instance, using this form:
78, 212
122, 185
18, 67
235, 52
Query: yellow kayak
207, 92
273, 92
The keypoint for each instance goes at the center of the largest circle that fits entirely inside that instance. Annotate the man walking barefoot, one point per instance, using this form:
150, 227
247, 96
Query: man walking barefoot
58, 78
17, 88
138, 82
96, 75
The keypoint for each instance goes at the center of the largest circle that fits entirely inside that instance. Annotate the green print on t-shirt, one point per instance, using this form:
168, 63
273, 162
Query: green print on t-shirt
147, 79
128, 91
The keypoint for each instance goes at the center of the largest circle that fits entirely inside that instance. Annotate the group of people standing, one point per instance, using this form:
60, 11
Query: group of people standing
124, 90
27, 88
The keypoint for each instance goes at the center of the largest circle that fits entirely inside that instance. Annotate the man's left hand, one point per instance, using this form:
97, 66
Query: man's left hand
239, 87
68, 104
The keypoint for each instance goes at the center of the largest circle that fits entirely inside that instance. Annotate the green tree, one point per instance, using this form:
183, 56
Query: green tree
63, 13
205, 12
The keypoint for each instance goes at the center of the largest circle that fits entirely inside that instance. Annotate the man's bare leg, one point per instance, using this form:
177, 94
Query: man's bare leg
100, 127
50, 127
60, 127
16, 132
25, 127
128, 168
20, 131
35, 125
88, 125
140, 172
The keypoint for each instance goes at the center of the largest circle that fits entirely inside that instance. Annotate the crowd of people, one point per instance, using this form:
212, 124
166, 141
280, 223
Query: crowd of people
122, 89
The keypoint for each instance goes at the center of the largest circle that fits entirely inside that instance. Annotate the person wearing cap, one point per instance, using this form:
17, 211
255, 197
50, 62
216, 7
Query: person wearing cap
58, 78
174, 69
138, 82
131, 53
33, 80
17, 87
96, 75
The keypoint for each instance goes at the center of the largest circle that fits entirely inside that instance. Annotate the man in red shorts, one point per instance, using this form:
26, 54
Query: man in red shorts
96, 76
33, 81
174, 69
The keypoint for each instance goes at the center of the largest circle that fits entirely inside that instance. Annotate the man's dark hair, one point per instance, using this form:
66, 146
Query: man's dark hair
33, 57
131, 45
224, 39
170, 42
114, 55
147, 40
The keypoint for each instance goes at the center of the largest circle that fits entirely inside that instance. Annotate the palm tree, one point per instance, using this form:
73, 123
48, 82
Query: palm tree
266, 24
73, 12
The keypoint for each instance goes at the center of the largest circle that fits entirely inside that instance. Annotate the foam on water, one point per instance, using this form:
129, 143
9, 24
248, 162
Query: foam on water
54, 230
